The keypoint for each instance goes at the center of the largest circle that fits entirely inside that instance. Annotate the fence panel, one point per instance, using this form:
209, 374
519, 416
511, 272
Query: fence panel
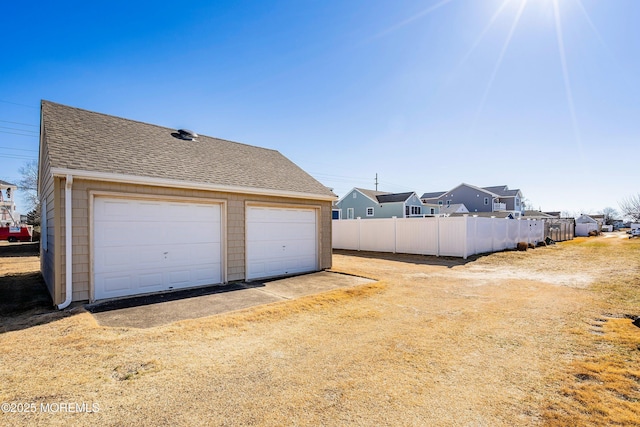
417, 236
345, 235
452, 235
378, 235
447, 236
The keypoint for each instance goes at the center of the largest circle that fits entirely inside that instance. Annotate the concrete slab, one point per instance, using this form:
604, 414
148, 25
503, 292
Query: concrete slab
152, 311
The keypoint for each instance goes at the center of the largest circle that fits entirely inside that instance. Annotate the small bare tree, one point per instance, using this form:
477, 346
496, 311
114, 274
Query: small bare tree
630, 207
28, 186
610, 215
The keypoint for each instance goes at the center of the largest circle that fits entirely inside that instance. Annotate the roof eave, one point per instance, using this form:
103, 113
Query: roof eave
163, 182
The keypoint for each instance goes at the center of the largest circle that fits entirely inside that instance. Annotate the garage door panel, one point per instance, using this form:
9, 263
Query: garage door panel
178, 277
201, 213
116, 283
149, 280
149, 210
158, 247
115, 209
280, 241
114, 258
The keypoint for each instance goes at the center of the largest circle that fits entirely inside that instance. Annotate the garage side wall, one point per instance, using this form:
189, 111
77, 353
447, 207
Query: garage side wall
235, 226
46, 193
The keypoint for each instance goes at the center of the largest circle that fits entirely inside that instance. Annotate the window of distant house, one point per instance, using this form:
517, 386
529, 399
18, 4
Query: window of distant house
354, 195
517, 202
350, 213
416, 210
440, 202
406, 211
486, 200
448, 202
433, 211
369, 211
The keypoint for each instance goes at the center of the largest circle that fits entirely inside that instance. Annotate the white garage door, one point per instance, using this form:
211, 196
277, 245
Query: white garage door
280, 241
143, 246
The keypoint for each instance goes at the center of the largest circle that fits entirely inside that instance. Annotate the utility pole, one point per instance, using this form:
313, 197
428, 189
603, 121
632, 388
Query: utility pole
376, 181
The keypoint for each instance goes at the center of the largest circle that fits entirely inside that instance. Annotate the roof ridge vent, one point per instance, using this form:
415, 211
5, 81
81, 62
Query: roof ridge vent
186, 134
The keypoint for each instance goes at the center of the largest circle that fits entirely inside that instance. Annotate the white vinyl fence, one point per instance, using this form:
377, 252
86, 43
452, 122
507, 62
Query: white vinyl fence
440, 236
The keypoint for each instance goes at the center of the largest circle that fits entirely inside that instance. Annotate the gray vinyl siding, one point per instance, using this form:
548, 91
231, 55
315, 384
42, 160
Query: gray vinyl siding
472, 198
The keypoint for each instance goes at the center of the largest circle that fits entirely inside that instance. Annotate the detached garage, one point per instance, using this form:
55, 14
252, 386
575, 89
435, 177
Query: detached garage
154, 209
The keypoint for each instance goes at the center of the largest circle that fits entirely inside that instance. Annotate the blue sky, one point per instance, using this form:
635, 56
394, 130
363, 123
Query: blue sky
541, 95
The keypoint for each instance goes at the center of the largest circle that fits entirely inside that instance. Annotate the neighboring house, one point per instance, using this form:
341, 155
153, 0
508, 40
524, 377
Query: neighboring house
505, 215
476, 199
539, 215
8, 214
430, 209
586, 224
362, 203
458, 208
132, 208
617, 224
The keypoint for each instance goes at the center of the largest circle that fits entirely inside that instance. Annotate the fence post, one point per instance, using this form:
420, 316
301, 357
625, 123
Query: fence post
465, 240
493, 233
359, 232
519, 230
395, 233
438, 235
475, 234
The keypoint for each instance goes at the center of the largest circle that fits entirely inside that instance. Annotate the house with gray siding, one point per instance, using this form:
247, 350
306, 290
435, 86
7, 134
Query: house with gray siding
363, 203
479, 199
457, 208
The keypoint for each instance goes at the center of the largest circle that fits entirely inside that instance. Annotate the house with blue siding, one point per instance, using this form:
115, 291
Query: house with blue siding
363, 203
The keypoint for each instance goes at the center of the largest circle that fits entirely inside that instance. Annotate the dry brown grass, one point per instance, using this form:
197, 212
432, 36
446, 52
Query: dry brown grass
514, 338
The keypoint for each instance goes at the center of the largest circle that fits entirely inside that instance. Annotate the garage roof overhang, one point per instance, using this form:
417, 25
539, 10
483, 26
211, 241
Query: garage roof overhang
162, 182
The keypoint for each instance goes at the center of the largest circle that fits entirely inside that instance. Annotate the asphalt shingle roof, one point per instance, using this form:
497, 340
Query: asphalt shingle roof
432, 195
87, 141
372, 194
393, 198
502, 190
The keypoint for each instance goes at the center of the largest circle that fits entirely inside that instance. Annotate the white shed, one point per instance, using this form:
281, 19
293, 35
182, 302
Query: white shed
586, 224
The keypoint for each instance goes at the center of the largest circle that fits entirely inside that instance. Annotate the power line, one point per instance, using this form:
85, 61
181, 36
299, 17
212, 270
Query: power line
16, 103
19, 123
16, 149
18, 157
21, 134
21, 130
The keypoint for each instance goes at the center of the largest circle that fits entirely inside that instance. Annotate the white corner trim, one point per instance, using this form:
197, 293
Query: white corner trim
163, 182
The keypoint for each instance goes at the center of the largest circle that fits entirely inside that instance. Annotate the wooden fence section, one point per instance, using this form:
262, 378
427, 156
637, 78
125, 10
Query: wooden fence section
440, 236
